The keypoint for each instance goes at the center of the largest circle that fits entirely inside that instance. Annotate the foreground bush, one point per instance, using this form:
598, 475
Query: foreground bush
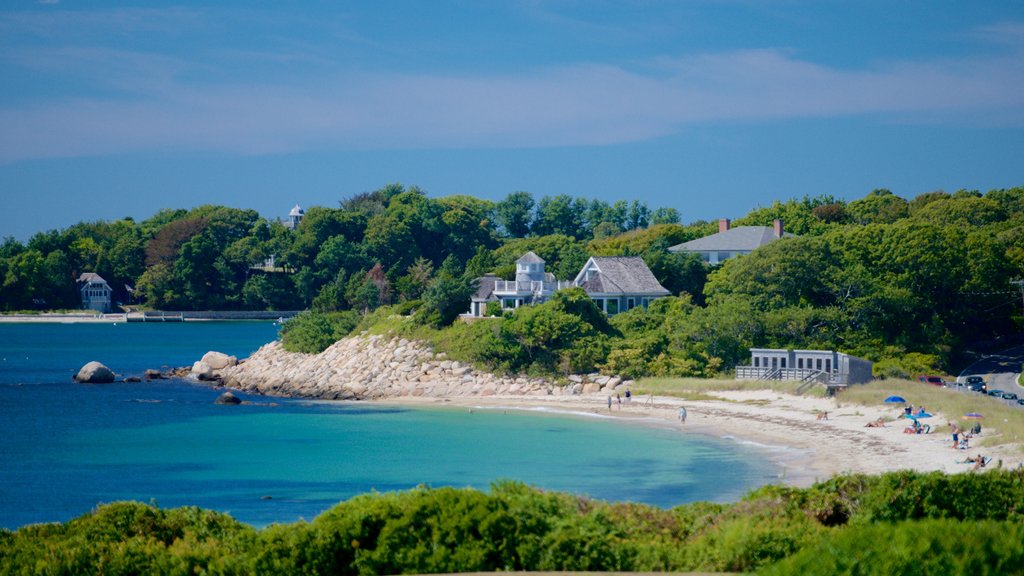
912, 548
901, 523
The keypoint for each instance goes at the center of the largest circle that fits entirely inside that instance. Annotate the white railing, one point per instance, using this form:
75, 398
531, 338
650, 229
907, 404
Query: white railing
758, 373
531, 287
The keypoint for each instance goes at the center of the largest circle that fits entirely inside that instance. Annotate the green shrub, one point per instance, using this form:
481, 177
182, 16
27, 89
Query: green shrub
923, 547
312, 332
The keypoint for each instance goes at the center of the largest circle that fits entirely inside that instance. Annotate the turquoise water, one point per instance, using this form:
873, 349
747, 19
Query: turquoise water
65, 447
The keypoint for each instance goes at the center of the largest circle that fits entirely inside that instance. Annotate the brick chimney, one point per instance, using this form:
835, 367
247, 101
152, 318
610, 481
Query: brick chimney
777, 224
723, 225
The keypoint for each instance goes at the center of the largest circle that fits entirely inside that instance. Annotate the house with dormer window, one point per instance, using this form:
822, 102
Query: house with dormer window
95, 292
615, 283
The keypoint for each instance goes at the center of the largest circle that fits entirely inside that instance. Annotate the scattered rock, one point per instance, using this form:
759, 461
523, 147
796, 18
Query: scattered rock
201, 371
95, 373
227, 398
133, 379
153, 375
219, 360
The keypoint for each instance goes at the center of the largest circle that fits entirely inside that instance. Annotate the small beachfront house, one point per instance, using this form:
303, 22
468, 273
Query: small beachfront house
834, 369
730, 242
616, 284
95, 292
619, 283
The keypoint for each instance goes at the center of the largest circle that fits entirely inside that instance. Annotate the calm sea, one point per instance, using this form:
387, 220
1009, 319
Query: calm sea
65, 447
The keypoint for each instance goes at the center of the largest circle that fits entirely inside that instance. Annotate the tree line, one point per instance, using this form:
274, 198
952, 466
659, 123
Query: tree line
906, 283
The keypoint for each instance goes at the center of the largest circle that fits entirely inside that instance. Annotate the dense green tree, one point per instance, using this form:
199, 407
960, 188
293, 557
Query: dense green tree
515, 214
879, 207
560, 215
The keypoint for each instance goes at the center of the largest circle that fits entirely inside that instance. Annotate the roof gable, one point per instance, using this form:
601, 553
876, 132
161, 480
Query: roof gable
619, 275
530, 258
738, 239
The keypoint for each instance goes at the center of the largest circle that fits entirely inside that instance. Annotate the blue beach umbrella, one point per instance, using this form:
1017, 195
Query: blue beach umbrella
917, 415
895, 400
973, 416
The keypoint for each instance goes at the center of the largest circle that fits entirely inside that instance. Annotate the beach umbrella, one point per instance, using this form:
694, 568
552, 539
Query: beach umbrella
917, 415
973, 416
895, 400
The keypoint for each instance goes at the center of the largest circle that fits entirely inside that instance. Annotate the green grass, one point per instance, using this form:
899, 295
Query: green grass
1002, 424
687, 388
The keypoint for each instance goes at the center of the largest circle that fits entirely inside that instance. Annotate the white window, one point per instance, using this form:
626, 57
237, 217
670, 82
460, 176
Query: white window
630, 304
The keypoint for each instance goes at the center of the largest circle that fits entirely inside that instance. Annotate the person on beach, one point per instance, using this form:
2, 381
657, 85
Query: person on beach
628, 396
618, 400
609, 403
682, 414
956, 435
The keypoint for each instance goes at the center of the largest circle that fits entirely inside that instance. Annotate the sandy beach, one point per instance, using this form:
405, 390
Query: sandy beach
786, 427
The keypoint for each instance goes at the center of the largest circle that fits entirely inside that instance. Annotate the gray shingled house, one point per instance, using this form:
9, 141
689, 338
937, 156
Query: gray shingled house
619, 283
730, 242
616, 284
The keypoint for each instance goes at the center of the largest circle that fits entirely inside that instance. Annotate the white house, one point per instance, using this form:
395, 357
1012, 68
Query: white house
95, 292
616, 284
729, 242
532, 285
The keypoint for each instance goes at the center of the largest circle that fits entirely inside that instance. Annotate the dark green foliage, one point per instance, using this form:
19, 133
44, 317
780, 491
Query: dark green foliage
935, 524
312, 332
912, 548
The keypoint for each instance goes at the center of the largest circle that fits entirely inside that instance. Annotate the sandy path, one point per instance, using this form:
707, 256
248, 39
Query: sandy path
786, 428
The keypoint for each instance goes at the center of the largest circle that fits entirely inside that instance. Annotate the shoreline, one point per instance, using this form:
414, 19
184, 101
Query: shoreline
785, 430
785, 427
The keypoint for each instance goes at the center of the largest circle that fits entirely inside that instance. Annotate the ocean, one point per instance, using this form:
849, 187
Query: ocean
65, 447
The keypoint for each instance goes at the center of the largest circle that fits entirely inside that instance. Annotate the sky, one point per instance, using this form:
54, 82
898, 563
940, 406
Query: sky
712, 107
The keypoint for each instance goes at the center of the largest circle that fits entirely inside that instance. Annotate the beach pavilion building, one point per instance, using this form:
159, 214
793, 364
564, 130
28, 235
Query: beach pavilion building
834, 369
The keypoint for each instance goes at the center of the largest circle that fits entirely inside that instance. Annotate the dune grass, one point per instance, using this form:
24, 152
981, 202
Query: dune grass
698, 388
1001, 423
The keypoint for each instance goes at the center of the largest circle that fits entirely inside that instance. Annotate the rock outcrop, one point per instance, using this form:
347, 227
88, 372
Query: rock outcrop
94, 373
227, 398
378, 367
219, 360
202, 371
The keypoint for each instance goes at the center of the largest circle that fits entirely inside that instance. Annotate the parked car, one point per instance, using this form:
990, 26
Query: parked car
1020, 401
1009, 396
976, 384
933, 380
996, 393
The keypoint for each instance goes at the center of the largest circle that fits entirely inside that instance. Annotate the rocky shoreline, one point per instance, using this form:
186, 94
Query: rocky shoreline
380, 367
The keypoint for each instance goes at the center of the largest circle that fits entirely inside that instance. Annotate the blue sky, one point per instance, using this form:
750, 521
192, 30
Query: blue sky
714, 107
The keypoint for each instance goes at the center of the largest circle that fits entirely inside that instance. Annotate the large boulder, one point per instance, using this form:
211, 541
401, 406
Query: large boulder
202, 371
95, 373
227, 398
219, 360
152, 374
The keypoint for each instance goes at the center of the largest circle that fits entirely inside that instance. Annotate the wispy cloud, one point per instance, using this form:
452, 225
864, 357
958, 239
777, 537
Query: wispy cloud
159, 102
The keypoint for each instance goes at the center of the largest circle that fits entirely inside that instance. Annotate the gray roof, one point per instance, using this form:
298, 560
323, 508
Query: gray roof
297, 211
738, 239
486, 288
91, 277
530, 258
623, 275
